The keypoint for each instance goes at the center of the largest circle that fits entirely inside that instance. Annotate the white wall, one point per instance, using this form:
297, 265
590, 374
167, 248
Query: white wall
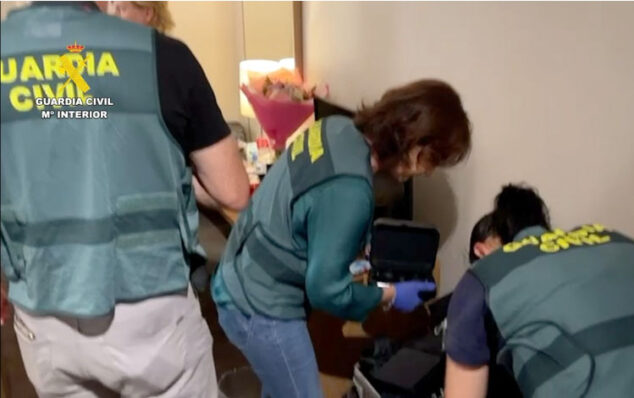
549, 88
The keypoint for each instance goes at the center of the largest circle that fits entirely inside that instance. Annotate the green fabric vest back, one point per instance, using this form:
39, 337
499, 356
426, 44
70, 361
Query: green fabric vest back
94, 211
263, 266
563, 303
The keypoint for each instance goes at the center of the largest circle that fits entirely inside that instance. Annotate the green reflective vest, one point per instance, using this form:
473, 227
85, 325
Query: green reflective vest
264, 267
94, 210
564, 305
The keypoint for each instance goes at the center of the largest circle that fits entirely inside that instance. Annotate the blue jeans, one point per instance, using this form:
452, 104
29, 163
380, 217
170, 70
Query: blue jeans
279, 351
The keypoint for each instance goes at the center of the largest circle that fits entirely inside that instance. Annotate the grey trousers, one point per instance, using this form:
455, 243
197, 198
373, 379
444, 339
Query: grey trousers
159, 347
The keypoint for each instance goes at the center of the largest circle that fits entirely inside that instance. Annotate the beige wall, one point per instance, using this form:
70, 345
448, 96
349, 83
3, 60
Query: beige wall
268, 29
221, 34
548, 86
7, 6
213, 31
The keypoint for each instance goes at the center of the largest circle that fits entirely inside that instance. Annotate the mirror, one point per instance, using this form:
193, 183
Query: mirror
221, 34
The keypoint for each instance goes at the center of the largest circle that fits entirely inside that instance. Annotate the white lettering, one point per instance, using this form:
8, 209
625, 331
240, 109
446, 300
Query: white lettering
64, 101
82, 114
99, 101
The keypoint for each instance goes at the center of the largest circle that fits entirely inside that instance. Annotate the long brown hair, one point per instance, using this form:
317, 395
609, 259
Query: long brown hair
426, 112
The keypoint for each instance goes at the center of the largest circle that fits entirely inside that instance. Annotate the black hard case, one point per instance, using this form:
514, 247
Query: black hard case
403, 250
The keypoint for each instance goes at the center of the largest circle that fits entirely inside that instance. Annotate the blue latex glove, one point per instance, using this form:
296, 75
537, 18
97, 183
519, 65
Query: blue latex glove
408, 294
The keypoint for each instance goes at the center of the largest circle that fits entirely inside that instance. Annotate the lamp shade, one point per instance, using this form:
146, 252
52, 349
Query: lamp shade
253, 72
288, 63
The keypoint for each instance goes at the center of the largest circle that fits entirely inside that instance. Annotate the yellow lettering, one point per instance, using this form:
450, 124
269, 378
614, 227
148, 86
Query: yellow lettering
577, 234
107, 65
90, 63
549, 247
585, 235
588, 240
298, 146
548, 236
52, 65
37, 93
598, 227
589, 229
574, 240
596, 239
563, 243
19, 96
594, 228
530, 240
30, 69
12, 73
512, 247
315, 145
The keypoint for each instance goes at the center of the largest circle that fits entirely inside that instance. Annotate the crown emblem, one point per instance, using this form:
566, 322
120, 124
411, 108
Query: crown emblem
75, 48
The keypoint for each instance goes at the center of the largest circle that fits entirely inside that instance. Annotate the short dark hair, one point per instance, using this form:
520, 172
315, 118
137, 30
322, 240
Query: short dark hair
518, 207
427, 113
481, 230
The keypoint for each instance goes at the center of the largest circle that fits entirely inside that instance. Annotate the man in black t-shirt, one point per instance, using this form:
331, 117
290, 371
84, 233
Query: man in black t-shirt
105, 306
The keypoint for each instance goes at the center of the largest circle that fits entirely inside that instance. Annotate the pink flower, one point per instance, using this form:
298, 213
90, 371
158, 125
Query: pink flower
280, 116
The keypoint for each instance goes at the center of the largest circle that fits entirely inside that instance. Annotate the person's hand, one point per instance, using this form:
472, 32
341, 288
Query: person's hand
408, 294
5, 307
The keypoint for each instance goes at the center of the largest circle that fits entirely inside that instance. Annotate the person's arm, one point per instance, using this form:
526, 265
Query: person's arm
468, 352
202, 196
220, 175
191, 113
464, 381
337, 215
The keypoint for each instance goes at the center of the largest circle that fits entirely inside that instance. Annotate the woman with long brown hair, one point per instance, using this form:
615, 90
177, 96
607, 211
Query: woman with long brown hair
292, 246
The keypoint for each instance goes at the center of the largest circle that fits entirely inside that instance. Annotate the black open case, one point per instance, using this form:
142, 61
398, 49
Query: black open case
403, 250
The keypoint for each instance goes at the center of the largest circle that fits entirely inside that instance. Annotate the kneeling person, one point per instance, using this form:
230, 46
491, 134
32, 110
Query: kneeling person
557, 303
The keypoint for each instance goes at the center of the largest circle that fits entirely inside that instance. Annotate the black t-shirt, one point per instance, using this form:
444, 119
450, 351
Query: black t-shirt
188, 103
